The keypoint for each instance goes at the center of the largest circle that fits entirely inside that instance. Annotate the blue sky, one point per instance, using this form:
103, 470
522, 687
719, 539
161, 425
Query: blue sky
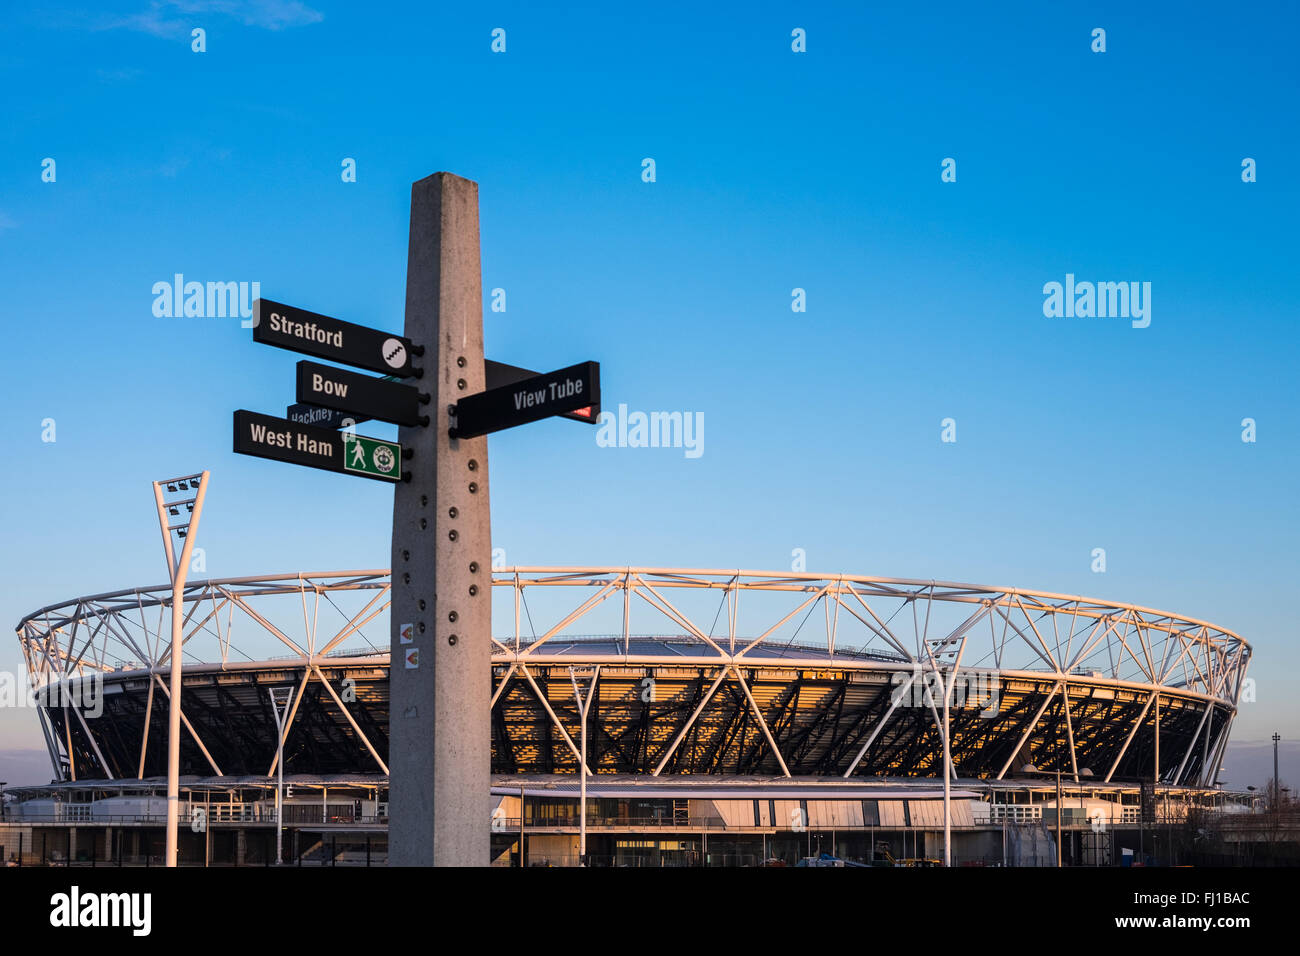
775, 170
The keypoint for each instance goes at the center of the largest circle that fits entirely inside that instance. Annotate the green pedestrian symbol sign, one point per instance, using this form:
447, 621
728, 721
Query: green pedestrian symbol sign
370, 456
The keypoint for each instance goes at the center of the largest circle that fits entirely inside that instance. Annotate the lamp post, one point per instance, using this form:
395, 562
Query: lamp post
169, 508
583, 706
280, 706
1276, 781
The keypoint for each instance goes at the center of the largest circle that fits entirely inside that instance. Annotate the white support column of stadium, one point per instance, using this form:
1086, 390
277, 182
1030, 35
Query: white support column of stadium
1191, 746
144, 736
67, 733
1155, 770
1216, 752
523, 669
93, 745
1131, 734
880, 725
1069, 730
190, 727
583, 707
1205, 752
356, 729
686, 727
1056, 685
758, 715
50, 744
179, 571
440, 720
505, 679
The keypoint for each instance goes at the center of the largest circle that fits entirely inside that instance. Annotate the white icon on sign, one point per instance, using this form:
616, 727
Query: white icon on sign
384, 459
394, 353
358, 454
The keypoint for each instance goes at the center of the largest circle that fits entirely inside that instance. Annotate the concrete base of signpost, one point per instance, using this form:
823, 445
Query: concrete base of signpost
439, 731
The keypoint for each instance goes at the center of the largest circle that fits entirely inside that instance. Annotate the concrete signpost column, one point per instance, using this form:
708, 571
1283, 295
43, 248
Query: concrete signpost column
441, 562
436, 389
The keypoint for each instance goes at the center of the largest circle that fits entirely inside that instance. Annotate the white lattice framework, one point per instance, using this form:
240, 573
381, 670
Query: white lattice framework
725, 620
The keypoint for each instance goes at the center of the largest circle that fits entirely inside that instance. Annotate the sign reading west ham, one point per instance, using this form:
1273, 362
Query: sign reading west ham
310, 333
265, 436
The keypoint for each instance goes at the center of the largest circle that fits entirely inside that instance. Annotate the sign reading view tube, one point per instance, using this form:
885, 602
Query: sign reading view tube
310, 333
528, 400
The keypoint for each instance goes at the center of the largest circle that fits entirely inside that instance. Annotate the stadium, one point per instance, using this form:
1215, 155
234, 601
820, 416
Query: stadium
735, 718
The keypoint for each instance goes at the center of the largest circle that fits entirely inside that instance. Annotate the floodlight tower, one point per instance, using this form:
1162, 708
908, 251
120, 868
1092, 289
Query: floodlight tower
280, 698
171, 496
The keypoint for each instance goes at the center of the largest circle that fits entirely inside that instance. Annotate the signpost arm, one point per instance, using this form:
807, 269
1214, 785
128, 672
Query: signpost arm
439, 756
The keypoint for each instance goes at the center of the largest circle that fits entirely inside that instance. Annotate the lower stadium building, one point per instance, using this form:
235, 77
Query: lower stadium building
737, 718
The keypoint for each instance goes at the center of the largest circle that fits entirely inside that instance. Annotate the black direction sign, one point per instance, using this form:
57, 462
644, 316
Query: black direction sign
528, 400
359, 394
499, 373
309, 333
265, 436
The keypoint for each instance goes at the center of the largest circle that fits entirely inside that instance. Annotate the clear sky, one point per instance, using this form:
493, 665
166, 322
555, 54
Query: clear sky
774, 170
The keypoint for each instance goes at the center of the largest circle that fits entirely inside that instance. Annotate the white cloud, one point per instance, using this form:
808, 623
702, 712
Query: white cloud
171, 18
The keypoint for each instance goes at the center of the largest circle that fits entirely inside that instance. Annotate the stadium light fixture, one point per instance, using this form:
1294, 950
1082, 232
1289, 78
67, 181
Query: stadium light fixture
178, 568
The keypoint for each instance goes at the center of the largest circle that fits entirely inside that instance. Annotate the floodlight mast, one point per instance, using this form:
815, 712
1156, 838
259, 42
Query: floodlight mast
179, 570
280, 697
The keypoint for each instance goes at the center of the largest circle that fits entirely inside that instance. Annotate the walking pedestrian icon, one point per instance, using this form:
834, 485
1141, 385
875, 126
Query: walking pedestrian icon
370, 456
